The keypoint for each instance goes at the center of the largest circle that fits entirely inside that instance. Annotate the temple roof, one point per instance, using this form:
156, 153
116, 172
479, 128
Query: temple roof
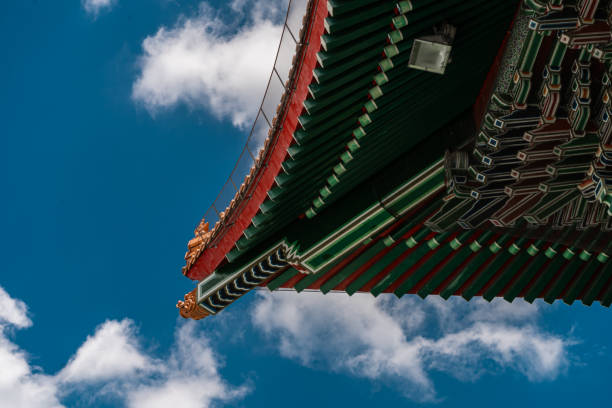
359, 92
491, 179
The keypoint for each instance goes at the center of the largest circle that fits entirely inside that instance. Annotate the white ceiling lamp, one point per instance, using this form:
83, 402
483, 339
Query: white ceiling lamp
432, 53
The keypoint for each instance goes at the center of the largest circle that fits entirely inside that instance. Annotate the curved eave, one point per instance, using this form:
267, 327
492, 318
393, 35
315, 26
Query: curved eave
263, 178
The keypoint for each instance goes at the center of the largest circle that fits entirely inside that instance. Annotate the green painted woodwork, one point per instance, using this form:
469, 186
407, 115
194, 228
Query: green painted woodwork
333, 157
546, 276
358, 120
522, 269
424, 269
465, 274
579, 284
541, 276
404, 7
506, 275
404, 266
449, 268
397, 271
526, 275
557, 55
530, 52
375, 269
579, 146
212, 281
352, 267
309, 280
487, 273
282, 278
594, 288
333, 24
601, 278
372, 219
373, 28
482, 259
339, 7
536, 6
563, 278
550, 204
395, 237
367, 118
584, 56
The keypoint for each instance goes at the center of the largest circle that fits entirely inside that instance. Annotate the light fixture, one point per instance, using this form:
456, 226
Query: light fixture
432, 53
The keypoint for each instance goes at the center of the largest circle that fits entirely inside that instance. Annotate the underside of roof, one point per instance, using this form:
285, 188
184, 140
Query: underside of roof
489, 180
359, 92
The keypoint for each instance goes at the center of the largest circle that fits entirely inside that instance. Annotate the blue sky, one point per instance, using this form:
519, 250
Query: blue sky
120, 121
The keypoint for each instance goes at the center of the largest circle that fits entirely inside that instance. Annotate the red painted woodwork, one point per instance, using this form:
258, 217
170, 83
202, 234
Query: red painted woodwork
214, 254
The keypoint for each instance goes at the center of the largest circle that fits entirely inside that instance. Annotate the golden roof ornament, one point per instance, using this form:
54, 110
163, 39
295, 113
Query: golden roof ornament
189, 308
202, 228
196, 245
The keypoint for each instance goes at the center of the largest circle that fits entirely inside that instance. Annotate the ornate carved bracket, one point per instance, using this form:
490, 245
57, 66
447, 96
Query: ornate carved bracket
189, 308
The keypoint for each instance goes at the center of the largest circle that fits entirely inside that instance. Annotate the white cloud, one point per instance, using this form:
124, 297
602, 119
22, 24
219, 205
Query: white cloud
206, 62
112, 363
397, 340
112, 352
13, 311
539, 356
190, 377
95, 7
20, 386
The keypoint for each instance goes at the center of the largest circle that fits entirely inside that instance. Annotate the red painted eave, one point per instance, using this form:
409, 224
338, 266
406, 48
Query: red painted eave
213, 255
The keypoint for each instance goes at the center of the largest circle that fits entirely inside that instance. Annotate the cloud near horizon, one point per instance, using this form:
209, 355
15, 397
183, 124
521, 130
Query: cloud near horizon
403, 342
112, 364
398, 343
207, 61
